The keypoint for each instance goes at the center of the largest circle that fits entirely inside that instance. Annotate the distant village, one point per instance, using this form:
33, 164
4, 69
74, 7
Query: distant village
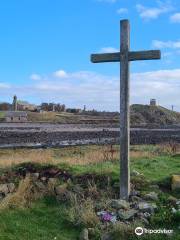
17, 111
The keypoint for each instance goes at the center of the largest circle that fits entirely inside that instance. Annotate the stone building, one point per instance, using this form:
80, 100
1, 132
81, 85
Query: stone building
15, 116
18, 105
25, 106
153, 102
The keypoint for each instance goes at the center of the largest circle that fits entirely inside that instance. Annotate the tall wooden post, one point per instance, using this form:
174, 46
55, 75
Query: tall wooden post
124, 111
125, 56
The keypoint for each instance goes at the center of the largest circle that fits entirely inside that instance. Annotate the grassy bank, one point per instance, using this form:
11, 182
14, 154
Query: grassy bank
48, 219
155, 162
45, 220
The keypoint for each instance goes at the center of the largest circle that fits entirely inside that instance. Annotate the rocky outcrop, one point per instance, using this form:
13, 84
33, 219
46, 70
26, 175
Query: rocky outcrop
6, 189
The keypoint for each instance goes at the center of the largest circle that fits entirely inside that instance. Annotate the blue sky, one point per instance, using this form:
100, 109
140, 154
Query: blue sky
45, 49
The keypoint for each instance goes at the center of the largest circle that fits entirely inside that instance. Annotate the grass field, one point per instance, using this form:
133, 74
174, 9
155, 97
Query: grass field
47, 219
65, 117
155, 162
50, 117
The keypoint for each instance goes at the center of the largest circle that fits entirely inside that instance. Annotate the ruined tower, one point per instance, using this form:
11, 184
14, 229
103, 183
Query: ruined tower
153, 102
14, 103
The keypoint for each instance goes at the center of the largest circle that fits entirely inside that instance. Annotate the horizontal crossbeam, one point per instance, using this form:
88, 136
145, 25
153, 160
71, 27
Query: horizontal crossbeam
132, 56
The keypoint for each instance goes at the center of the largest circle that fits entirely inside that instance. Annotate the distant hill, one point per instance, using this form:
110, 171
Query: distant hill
146, 114
141, 115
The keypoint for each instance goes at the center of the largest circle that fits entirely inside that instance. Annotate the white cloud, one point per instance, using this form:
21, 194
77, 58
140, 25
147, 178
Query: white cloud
166, 76
108, 50
148, 13
175, 18
164, 85
35, 76
4, 85
102, 92
99, 91
168, 44
60, 74
122, 11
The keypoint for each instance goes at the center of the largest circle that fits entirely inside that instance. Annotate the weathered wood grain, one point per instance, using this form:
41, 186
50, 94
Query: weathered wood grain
124, 57
106, 57
145, 55
124, 112
132, 56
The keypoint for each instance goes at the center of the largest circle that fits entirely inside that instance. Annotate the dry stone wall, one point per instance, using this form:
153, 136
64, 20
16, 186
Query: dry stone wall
64, 138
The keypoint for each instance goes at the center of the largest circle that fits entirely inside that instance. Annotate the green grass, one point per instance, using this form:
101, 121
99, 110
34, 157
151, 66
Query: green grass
156, 169
2, 114
65, 117
44, 221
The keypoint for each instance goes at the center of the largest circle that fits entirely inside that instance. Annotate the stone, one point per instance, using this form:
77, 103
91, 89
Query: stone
106, 236
77, 189
43, 179
91, 231
134, 193
101, 213
84, 235
136, 199
151, 196
127, 215
147, 215
140, 215
11, 187
62, 193
174, 210
69, 182
154, 187
4, 189
118, 204
175, 183
35, 175
41, 186
52, 182
135, 173
145, 221
60, 189
147, 207
172, 200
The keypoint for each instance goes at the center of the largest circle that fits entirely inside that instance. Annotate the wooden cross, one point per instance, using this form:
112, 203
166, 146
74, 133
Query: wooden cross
124, 56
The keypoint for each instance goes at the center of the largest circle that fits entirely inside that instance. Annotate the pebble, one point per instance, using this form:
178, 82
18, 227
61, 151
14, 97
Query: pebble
151, 196
118, 204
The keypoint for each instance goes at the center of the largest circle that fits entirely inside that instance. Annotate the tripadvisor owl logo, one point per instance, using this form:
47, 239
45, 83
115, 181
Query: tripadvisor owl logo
139, 231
